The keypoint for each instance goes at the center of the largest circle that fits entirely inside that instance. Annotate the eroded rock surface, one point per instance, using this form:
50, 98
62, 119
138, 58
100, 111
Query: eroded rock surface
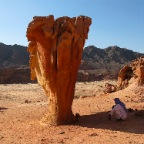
132, 73
55, 54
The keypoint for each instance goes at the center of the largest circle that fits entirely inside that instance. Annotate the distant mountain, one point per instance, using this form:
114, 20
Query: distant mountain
13, 56
96, 64
95, 57
92, 58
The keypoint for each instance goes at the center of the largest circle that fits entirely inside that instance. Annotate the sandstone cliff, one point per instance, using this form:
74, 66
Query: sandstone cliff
132, 73
15, 75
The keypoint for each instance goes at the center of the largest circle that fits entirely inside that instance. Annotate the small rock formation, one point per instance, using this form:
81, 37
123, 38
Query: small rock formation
109, 88
55, 54
132, 73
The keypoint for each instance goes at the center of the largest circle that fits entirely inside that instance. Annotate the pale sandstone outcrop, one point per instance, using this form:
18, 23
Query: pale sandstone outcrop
55, 54
132, 73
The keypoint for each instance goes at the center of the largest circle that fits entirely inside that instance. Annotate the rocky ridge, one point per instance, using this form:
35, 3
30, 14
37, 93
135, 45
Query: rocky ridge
96, 64
13, 56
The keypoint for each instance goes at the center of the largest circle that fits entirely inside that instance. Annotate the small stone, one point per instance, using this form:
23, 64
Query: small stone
62, 132
1, 137
26, 101
93, 134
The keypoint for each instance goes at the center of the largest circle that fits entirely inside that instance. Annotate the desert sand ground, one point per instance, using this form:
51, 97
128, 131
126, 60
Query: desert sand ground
22, 107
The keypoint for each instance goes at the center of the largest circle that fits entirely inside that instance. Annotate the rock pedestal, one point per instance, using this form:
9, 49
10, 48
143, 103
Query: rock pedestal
55, 54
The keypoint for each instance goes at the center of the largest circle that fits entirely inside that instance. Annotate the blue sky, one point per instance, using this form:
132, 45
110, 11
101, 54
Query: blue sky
114, 22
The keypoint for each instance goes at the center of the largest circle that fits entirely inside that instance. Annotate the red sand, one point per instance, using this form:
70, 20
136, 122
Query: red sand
23, 106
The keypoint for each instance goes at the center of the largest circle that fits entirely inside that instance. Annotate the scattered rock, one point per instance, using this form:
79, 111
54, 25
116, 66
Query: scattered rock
109, 88
82, 97
62, 132
1, 137
27, 101
93, 134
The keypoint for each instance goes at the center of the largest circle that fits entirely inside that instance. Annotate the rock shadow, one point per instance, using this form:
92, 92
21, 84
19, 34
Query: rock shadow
133, 124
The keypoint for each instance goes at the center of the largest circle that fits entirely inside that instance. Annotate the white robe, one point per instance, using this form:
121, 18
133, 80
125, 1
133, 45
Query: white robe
119, 112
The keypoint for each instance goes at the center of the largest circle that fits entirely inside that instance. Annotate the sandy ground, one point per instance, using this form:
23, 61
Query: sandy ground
22, 107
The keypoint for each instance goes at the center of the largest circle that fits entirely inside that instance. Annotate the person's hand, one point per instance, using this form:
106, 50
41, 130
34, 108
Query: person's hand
109, 117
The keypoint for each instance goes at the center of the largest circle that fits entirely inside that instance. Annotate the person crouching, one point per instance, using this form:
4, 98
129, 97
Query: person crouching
119, 111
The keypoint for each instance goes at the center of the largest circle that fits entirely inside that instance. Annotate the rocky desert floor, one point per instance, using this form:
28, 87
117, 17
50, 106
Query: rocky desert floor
22, 106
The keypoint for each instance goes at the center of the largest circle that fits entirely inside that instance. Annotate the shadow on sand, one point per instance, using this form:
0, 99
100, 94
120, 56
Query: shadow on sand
133, 124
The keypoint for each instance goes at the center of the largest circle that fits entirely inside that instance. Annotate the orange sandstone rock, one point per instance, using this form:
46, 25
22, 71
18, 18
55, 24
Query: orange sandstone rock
55, 54
132, 73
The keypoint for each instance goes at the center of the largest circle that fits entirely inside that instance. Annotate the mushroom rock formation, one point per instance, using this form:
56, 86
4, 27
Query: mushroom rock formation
55, 48
132, 73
